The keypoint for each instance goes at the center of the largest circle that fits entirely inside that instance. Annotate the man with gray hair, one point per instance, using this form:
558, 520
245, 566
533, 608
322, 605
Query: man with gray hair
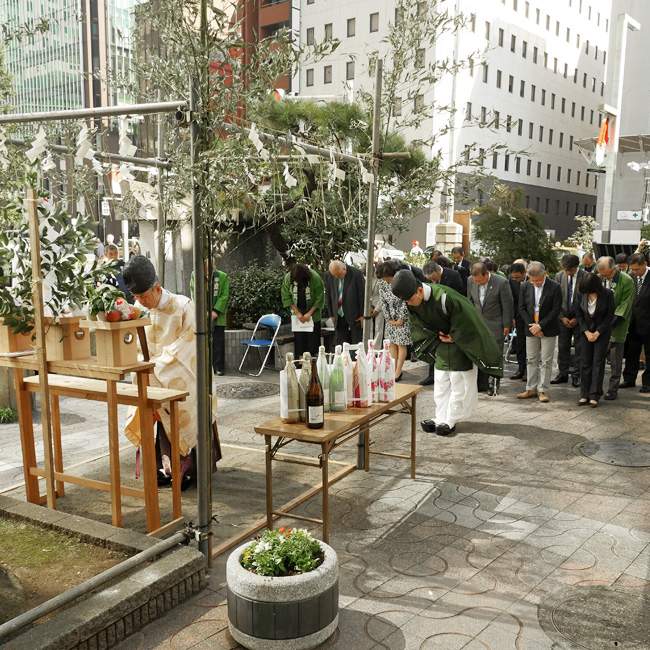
540, 302
623, 287
345, 289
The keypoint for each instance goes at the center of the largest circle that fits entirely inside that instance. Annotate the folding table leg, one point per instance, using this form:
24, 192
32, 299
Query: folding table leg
114, 453
26, 437
56, 436
269, 482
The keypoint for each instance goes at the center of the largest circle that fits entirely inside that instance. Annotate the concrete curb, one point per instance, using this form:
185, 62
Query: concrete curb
112, 614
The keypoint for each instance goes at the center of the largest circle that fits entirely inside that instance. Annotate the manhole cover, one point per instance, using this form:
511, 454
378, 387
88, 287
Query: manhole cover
247, 389
624, 453
596, 618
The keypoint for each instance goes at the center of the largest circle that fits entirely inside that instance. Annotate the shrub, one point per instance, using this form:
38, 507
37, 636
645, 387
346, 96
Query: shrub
8, 415
282, 552
255, 291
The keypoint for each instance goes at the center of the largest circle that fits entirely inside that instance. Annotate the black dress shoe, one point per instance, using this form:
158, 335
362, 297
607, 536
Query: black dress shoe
560, 379
163, 479
626, 384
644, 389
583, 402
593, 404
518, 375
428, 381
575, 381
610, 395
428, 426
444, 429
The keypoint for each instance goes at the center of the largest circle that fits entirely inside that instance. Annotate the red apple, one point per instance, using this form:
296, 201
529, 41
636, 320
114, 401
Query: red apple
113, 316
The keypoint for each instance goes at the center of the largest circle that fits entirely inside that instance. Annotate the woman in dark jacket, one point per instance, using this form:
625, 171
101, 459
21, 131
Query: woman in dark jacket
594, 307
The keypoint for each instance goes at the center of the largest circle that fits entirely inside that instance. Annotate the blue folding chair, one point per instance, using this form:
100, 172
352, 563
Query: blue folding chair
268, 320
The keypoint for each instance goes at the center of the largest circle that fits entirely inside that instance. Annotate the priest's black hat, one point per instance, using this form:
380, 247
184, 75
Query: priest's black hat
404, 284
139, 274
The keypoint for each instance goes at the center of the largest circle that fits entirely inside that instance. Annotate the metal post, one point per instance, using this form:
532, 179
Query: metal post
625, 22
160, 244
372, 218
451, 181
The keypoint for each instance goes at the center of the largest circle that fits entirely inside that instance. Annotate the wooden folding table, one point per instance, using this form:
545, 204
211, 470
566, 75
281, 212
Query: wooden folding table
339, 427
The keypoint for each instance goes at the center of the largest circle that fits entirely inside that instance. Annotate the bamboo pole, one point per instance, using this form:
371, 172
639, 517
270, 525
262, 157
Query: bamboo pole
41, 356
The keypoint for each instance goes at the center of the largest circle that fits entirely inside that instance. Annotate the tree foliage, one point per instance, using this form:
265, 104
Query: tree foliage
507, 230
583, 237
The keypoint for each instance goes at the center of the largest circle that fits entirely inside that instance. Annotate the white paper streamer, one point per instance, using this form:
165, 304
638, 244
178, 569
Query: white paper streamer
38, 146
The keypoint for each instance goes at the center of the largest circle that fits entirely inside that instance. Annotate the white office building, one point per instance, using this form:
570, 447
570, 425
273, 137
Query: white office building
539, 81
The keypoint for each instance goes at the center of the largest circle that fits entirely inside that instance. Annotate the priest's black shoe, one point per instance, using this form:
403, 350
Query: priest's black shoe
575, 381
428, 381
626, 384
610, 395
644, 389
560, 379
444, 429
428, 426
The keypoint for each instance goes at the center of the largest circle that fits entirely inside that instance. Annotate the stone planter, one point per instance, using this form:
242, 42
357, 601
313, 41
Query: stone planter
291, 613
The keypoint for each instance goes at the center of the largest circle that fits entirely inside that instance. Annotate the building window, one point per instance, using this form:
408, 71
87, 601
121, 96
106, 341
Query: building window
596, 52
548, 22
483, 115
310, 2
537, 204
526, 9
575, 76
546, 59
500, 36
513, 43
532, 93
497, 117
419, 58
529, 164
548, 173
535, 53
543, 97
570, 143
327, 74
495, 159
537, 15
466, 151
563, 104
398, 16
566, 70
349, 70
604, 57
506, 163
539, 170
487, 30
573, 109
328, 32
518, 165
397, 107
471, 66
309, 77
553, 101
514, 7
550, 136
541, 133
310, 36
546, 204
352, 26
472, 23
555, 65
593, 84
485, 73
524, 49
567, 207
418, 104
557, 27
374, 22
520, 127
561, 142
586, 47
568, 34
602, 88
509, 123
587, 179
582, 113
468, 111
591, 118
522, 88
527, 201
568, 175
584, 80
511, 83
578, 178
531, 126
559, 174
577, 40
498, 78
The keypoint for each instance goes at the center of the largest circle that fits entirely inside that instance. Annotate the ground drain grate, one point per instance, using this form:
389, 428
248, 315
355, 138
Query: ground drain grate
247, 389
623, 453
596, 618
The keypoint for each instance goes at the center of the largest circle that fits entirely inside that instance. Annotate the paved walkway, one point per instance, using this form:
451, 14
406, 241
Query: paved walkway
508, 538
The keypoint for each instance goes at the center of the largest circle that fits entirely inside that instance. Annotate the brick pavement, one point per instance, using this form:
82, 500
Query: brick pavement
504, 527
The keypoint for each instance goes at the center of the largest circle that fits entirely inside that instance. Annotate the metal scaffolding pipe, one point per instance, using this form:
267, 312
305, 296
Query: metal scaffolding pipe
48, 606
102, 111
103, 157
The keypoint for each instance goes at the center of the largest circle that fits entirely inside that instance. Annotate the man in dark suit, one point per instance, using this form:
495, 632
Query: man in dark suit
490, 294
517, 276
638, 335
568, 278
461, 264
436, 274
345, 289
540, 302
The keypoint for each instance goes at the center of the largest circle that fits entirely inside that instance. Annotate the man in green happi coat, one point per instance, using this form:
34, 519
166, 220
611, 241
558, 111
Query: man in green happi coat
447, 329
623, 287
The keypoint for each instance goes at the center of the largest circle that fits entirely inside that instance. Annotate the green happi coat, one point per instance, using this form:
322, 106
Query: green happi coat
454, 314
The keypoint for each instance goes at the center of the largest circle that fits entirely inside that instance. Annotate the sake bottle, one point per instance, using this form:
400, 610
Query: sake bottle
373, 367
293, 398
305, 374
337, 382
348, 370
387, 374
315, 400
324, 376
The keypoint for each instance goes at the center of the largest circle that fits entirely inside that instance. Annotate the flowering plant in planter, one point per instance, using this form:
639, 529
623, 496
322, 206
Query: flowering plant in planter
282, 552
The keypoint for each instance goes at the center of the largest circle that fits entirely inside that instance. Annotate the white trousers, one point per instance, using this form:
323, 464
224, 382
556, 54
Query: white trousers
456, 395
539, 352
